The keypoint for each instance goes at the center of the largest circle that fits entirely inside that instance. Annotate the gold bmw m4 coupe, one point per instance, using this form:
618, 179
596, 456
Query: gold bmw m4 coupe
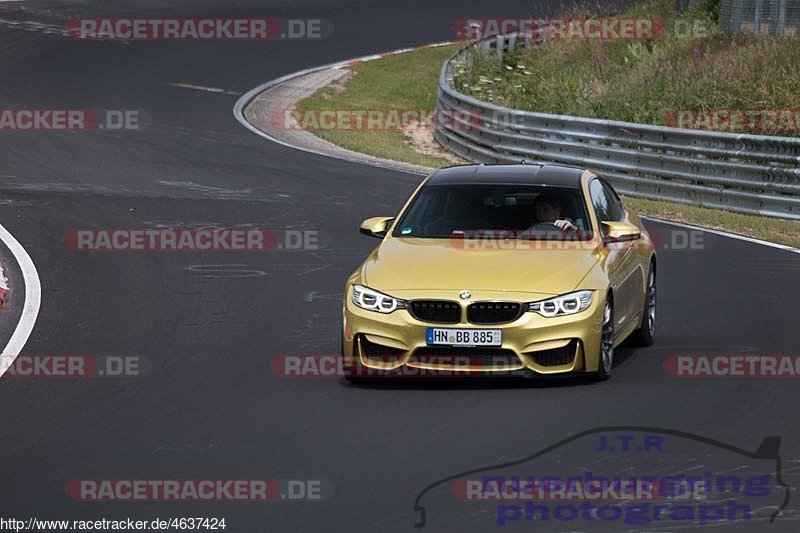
501, 269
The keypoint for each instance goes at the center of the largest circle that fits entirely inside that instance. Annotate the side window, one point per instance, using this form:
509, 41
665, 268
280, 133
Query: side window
616, 211
599, 200
606, 203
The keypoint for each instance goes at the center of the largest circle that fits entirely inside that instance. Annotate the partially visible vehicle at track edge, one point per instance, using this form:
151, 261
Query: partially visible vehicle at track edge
501, 270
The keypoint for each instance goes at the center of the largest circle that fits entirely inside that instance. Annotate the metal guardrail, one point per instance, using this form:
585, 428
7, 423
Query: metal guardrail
760, 17
754, 174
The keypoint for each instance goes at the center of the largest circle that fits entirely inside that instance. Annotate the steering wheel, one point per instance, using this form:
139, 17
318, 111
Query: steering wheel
546, 226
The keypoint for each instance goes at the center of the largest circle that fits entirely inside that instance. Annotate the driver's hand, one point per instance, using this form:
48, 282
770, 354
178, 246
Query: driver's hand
565, 225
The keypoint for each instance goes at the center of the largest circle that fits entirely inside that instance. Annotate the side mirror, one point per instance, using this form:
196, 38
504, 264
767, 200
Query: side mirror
376, 226
619, 232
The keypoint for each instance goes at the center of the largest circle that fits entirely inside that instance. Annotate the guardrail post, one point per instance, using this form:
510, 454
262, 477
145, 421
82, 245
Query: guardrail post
757, 18
780, 22
736, 16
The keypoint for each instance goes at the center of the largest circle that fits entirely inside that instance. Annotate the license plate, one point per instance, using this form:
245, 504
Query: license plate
464, 337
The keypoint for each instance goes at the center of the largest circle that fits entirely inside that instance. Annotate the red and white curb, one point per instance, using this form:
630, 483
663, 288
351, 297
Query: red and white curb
358, 61
4, 288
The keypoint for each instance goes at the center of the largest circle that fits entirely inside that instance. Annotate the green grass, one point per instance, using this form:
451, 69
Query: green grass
769, 229
402, 82
642, 81
408, 81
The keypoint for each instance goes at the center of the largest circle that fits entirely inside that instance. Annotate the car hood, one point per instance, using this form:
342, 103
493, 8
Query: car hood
431, 264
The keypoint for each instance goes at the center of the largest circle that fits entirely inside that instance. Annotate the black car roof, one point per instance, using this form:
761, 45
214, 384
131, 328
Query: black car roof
522, 174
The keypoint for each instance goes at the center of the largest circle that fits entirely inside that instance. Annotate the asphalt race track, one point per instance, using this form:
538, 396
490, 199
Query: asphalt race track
209, 324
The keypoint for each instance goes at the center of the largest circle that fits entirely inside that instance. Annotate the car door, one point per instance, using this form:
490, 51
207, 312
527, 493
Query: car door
621, 261
631, 267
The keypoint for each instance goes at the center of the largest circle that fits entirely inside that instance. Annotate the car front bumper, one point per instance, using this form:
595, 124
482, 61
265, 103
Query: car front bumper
532, 345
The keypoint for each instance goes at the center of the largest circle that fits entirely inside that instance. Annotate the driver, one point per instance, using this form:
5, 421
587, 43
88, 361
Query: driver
548, 211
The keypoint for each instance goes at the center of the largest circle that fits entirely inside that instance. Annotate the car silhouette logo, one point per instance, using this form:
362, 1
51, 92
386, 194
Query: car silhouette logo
465, 295
627, 452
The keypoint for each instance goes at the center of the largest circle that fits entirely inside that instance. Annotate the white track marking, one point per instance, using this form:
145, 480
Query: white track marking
726, 234
32, 25
203, 88
33, 298
238, 113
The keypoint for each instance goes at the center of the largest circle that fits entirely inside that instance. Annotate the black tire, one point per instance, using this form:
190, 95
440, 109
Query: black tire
645, 335
606, 360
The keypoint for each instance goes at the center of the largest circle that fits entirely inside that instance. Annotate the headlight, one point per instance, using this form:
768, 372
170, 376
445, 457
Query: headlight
375, 301
566, 304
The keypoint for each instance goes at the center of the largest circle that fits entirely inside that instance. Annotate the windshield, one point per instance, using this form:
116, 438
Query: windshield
531, 211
